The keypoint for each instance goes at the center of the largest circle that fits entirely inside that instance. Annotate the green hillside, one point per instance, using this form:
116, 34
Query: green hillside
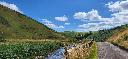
14, 25
117, 36
104, 35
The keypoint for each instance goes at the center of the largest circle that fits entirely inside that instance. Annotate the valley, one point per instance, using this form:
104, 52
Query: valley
22, 37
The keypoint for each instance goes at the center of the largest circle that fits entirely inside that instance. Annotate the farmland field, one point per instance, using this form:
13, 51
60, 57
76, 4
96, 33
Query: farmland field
28, 50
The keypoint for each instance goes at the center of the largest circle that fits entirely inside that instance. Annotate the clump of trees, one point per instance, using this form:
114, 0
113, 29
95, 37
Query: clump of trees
75, 36
101, 35
82, 35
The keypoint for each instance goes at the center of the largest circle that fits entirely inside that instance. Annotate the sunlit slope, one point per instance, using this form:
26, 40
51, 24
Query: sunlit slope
14, 25
117, 35
120, 38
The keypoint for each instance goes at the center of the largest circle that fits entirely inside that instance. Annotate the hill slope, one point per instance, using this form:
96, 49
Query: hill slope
117, 36
14, 25
120, 38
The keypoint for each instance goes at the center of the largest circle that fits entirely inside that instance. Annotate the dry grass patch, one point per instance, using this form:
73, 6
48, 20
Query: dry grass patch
82, 51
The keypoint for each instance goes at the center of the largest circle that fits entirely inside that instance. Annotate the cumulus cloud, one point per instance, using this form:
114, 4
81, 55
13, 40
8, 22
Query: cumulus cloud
62, 18
97, 26
67, 23
119, 17
92, 15
120, 11
45, 21
11, 6
50, 24
118, 6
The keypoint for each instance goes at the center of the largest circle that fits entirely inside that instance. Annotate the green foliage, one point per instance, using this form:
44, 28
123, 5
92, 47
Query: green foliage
15, 25
69, 34
81, 36
76, 35
101, 35
93, 52
27, 50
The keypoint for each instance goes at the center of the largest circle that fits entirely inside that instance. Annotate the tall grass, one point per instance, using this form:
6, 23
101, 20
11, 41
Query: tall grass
93, 52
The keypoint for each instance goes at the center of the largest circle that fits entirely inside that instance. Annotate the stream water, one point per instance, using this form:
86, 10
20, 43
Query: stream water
59, 54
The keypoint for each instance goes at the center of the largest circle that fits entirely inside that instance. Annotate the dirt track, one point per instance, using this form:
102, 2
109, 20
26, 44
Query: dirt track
109, 51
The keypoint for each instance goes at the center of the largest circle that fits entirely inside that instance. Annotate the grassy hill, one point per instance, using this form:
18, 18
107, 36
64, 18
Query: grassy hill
117, 36
19, 32
14, 25
120, 38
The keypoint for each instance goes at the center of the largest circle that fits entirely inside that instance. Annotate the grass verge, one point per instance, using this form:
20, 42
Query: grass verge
93, 51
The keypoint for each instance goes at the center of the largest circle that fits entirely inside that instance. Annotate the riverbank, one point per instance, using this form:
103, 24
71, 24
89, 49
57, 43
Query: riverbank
76, 51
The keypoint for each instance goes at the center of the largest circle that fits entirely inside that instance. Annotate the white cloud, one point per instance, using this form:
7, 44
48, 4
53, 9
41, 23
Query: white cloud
119, 17
88, 25
50, 24
62, 18
118, 6
45, 21
60, 26
97, 26
120, 11
11, 6
67, 23
92, 15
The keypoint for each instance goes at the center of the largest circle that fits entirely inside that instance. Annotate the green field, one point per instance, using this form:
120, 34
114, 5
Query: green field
28, 50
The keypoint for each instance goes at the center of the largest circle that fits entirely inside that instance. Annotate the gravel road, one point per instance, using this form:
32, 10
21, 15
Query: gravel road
109, 51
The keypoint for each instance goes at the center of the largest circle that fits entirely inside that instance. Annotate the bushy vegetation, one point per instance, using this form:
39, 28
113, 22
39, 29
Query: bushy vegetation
76, 35
28, 50
15, 25
101, 35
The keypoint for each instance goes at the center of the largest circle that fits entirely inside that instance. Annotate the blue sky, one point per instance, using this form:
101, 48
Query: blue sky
71, 15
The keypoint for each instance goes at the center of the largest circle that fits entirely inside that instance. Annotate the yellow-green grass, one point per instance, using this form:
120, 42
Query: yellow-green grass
92, 52
120, 39
121, 43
